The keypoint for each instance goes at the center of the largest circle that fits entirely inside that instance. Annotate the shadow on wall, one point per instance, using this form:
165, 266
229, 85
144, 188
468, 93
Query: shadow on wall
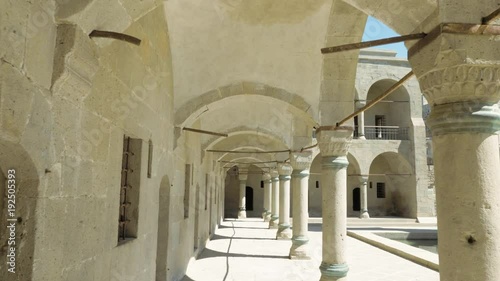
20, 179
163, 226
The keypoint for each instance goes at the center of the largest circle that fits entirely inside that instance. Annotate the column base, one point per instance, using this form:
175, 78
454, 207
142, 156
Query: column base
362, 137
364, 215
273, 223
267, 217
242, 214
300, 248
333, 272
264, 215
284, 232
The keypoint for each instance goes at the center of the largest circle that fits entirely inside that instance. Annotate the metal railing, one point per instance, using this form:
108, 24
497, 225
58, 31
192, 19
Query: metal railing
384, 133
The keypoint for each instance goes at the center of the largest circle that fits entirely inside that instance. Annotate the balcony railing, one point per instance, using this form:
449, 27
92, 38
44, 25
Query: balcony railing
384, 133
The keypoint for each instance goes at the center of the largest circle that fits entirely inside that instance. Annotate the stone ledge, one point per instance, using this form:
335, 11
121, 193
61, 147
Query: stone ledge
418, 256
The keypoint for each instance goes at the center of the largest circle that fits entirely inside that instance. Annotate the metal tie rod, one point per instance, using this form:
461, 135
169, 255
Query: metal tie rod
373, 43
204, 132
378, 99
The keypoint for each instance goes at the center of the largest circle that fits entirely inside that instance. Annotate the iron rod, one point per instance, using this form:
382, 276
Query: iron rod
373, 43
205, 132
379, 98
491, 17
115, 35
247, 152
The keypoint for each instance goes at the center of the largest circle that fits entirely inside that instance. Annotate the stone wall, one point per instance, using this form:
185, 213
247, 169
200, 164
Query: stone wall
67, 101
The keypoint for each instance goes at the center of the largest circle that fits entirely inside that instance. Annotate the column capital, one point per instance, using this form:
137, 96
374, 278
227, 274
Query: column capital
334, 142
465, 82
285, 171
360, 103
266, 177
242, 177
363, 179
453, 66
301, 160
274, 175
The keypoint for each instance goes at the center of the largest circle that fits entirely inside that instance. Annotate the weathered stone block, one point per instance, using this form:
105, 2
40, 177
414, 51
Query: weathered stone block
41, 39
16, 93
13, 19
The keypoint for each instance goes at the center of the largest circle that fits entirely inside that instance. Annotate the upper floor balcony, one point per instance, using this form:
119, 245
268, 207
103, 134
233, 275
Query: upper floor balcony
382, 132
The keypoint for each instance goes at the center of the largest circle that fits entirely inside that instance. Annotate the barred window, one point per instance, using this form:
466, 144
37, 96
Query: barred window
380, 189
187, 188
129, 189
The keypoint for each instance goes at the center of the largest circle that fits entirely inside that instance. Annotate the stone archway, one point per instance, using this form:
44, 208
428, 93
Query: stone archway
163, 229
392, 187
390, 119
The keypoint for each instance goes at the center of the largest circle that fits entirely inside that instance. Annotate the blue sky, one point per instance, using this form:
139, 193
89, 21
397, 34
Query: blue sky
375, 29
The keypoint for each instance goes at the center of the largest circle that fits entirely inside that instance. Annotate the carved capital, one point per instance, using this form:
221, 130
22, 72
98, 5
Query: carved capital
363, 179
284, 169
301, 160
360, 103
334, 142
242, 177
465, 82
274, 175
266, 177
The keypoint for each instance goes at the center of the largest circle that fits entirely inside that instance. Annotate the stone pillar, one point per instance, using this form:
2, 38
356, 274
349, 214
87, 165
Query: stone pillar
273, 222
284, 232
301, 163
333, 145
242, 213
363, 214
459, 76
267, 196
361, 121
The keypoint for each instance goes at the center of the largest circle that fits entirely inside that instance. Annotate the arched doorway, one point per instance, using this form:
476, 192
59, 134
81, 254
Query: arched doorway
356, 199
391, 186
163, 223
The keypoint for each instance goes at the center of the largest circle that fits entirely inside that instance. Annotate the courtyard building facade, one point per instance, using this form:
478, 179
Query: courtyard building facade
130, 129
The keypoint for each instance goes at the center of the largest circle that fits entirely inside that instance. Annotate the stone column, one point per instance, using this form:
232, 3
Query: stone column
459, 76
363, 214
333, 145
242, 213
284, 232
273, 222
361, 121
267, 196
301, 163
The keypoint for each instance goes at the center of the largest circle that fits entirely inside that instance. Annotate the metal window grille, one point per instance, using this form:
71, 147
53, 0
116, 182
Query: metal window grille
187, 185
125, 187
206, 191
380, 189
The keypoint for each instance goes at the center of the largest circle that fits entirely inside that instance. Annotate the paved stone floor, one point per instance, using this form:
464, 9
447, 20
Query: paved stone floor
244, 250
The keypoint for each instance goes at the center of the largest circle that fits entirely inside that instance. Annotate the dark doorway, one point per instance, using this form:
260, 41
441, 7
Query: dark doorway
249, 198
356, 127
379, 123
356, 200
